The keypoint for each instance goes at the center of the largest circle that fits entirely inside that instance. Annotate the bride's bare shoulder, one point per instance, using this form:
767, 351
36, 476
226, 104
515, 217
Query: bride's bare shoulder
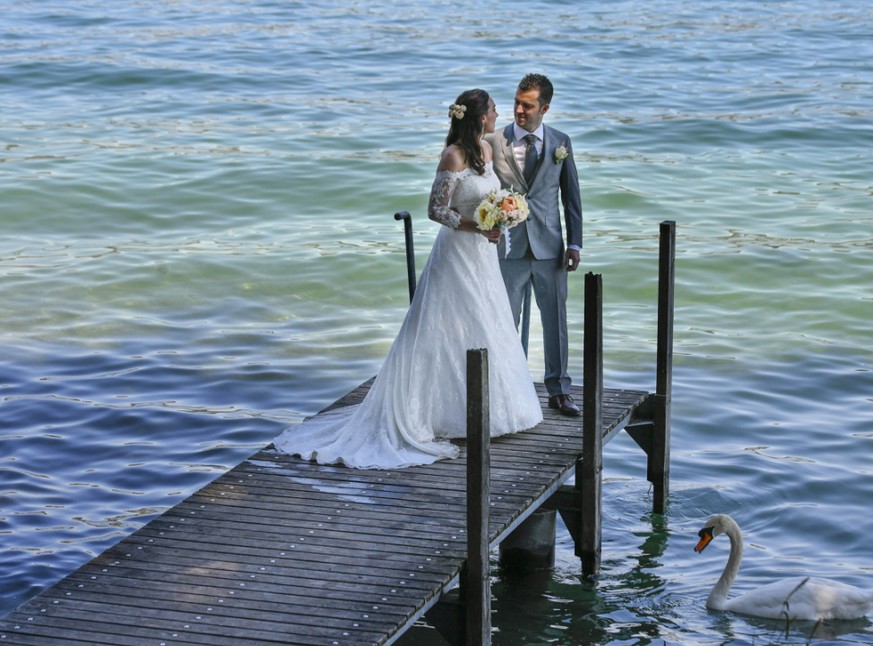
452, 159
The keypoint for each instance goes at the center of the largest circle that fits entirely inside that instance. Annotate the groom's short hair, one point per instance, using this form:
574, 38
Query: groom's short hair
538, 82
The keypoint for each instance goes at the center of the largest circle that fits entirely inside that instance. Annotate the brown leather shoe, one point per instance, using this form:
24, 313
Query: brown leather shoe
564, 405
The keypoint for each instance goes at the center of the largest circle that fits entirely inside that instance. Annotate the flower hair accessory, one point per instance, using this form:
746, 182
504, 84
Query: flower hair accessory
457, 111
561, 153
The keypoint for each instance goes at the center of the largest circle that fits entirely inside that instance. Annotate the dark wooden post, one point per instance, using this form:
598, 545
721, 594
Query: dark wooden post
410, 250
659, 460
477, 575
589, 469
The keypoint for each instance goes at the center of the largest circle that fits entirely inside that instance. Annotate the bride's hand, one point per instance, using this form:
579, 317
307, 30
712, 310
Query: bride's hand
468, 225
493, 235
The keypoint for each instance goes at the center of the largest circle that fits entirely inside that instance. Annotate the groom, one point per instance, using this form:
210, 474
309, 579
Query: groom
537, 159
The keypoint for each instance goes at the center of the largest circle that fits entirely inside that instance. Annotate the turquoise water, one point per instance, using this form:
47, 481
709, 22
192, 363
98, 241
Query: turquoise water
199, 249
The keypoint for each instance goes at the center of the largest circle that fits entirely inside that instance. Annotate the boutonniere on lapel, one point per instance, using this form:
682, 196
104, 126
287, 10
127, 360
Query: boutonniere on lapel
561, 153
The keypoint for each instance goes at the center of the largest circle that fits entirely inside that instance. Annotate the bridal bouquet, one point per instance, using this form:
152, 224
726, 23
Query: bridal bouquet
502, 210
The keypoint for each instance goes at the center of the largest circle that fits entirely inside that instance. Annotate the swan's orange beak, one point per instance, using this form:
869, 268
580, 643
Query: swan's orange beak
705, 538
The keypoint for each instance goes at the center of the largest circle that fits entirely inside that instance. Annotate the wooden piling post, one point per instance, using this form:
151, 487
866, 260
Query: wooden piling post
659, 460
476, 579
589, 469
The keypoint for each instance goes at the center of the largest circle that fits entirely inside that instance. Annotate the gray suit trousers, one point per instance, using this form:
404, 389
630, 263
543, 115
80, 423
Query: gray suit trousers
549, 280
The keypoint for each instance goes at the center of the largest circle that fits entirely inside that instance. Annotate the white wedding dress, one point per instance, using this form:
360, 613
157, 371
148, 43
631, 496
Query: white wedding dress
418, 400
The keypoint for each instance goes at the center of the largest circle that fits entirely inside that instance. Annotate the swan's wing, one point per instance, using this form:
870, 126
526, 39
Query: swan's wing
771, 601
835, 600
804, 598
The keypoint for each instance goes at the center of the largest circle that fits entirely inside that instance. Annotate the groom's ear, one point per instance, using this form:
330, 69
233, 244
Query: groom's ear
545, 108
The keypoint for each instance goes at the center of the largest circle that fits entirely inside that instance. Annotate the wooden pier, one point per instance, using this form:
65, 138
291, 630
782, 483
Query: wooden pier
283, 551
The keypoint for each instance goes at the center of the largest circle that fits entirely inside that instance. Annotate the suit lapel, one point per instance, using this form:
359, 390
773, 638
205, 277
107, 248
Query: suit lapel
547, 142
509, 156
544, 154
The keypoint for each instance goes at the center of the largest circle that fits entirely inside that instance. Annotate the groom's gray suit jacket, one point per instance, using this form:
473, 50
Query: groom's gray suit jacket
541, 232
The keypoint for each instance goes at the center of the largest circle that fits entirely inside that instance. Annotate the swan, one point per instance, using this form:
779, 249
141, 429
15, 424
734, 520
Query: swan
803, 598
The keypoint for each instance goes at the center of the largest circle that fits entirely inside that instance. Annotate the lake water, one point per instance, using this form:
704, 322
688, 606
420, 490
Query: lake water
199, 250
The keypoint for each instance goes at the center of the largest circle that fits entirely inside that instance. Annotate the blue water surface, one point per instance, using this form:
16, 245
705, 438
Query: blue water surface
199, 250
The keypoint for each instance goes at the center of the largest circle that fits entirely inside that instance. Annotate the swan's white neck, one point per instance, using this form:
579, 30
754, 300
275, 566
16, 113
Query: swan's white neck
718, 597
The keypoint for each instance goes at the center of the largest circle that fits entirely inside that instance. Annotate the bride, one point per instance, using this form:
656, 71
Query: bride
418, 400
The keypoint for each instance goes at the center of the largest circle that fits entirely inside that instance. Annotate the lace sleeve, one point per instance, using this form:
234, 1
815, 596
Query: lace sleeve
438, 208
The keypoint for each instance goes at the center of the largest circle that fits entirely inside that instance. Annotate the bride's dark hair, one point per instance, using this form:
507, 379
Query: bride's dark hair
465, 131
